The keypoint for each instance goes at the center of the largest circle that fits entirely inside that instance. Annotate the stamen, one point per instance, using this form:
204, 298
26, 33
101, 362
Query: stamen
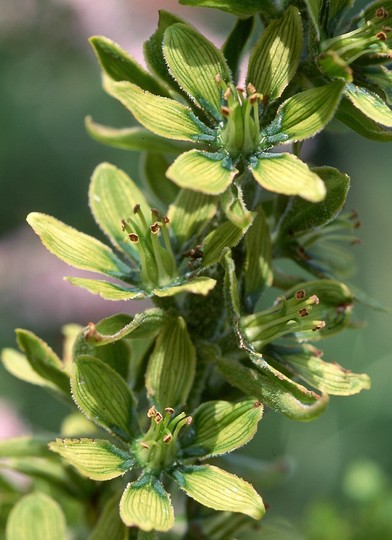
134, 238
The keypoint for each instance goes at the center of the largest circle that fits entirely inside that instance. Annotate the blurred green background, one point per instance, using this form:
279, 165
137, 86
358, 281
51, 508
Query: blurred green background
340, 467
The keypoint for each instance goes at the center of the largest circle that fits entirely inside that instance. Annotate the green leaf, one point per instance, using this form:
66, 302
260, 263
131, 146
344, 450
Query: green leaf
201, 171
361, 123
241, 8
325, 376
302, 216
120, 66
162, 116
171, 367
109, 524
134, 138
116, 327
25, 446
194, 62
43, 360
36, 516
75, 248
258, 261
112, 198
370, 104
273, 388
220, 427
220, 490
225, 235
104, 397
233, 48
153, 51
145, 504
97, 459
189, 214
288, 175
108, 290
274, 59
308, 112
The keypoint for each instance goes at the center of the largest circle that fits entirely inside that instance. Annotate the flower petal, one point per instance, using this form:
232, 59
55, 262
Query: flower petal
163, 116
286, 174
107, 289
274, 59
202, 171
220, 490
194, 62
97, 459
370, 104
199, 285
145, 504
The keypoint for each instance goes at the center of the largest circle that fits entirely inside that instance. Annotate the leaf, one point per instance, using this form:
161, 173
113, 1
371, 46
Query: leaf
104, 397
194, 62
171, 367
258, 261
234, 46
162, 116
116, 327
362, 124
302, 216
75, 248
120, 66
201, 171
145, 504
308, 112
288, 175
220, 427
112, 198
109, 524
189, 214
36, 516
97, 459
220, 490
108, 290
241, 8
134, 138
43, 360
370, 104
275, 57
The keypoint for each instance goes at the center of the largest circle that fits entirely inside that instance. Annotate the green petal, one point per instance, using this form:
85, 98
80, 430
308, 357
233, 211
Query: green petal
361, 123
109, 524
220, 490
25, 447
370, 104
236, 42
226, 235
97, 459
43, 360
145, 504
135, 138
159, 190
241, 8
308, 112
171, 367
275, 57
314, 7
162, 116
120, 66
220, 427
104, 397
108, 290
36, 516
201, 171
286, 174
194, 62
199, 285
118, 326
112, 198
75, 248
189, 213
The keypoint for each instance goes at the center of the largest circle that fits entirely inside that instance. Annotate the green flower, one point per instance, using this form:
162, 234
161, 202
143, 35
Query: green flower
173, 447
150, 244
233, 130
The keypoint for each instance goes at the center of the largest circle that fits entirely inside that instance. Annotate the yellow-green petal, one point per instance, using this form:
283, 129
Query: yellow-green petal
107, 289
370, 104
220, 490
145, 504
288, 175
97, 459
198, 285
201, 171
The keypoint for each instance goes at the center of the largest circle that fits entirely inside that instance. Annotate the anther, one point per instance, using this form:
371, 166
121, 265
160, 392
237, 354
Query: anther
300, 295
155, 228
382, 13
158, 418
319, 326
169, 410
155, 212
134, 238
123, 225
151, 413
381, 36
166, 220
251, 88
167, 438
136, 208
145, 445
303, 312
314, 299
225, 111
227, 93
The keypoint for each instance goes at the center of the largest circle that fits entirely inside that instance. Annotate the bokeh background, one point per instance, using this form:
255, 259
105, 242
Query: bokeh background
330, 479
